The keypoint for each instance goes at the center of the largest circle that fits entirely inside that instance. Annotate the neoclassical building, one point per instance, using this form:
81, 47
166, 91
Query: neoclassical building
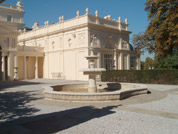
58, 51
11, 20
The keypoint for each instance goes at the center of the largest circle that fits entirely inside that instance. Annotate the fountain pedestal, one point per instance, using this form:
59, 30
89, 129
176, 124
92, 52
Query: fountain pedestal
92, 72
92, 88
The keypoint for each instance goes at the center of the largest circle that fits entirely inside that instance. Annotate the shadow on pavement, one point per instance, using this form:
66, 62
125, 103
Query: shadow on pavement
11, 84
55, 122
14, 105
58, 121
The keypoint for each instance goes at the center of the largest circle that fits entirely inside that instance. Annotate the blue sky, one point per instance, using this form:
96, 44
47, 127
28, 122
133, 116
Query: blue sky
42, 10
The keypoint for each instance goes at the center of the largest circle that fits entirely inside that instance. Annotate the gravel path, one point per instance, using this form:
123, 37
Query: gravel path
23, 109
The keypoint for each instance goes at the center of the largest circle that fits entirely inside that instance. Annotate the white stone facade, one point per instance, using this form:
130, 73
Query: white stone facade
11, 20
58, 51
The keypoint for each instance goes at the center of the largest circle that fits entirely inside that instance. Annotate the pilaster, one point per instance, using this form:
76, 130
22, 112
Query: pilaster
121, 61
15, 67
3, 68
25, 69
115, 60
128, 61
36, 67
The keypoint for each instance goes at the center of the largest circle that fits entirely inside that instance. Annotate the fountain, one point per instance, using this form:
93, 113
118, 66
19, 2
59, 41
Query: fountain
92, 72
92, 91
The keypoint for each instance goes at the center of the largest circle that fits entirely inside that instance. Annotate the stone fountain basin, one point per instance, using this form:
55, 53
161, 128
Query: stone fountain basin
106, 92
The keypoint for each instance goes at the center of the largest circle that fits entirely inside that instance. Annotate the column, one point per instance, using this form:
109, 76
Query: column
25, 70
121, 61
36, 67
115, 60
3, 68
10, 67
98, 78
15, 68
128, 61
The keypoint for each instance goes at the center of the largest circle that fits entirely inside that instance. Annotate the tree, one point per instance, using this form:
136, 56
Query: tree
149, 63
163, 25
168, 62
142, 43
142, 65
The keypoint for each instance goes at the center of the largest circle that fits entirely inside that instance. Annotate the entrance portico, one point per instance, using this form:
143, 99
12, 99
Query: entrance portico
30, 67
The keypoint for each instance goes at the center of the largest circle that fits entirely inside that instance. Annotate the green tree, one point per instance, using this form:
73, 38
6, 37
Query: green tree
142, 65
168, 62
163, 25
149, 63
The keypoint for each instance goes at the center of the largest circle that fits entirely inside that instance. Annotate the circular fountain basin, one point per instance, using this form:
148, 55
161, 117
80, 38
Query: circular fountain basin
105, 92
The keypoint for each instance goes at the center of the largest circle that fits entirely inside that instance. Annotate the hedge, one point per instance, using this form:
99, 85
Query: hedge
142, 76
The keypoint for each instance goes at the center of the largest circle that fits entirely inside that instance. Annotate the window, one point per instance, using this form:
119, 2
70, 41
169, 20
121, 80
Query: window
108, 61
9, 18
132, 62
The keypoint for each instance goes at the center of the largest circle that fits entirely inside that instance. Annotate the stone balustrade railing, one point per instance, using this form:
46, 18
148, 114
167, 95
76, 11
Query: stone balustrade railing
77, 21
11, 6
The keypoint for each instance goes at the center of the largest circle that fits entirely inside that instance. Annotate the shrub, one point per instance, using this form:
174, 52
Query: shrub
142, 76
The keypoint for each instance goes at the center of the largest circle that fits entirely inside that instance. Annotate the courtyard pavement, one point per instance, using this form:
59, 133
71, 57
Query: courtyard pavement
23, 110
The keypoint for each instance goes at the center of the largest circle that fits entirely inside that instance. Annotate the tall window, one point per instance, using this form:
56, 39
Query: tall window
132, 62
108, 61
9, 18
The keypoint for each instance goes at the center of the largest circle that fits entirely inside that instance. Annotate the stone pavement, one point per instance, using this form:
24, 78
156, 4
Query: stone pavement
23, 110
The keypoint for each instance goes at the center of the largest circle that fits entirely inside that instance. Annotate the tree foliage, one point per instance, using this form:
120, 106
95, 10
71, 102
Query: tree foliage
149, 64
163, 26
161, 35
168, 62
143, 43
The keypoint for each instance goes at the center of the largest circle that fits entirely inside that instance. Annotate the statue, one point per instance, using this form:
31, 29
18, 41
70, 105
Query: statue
87, 10
93, 40
35, 26
126, 21
78, 13
124, 44
19, 3
119, 19
96, 13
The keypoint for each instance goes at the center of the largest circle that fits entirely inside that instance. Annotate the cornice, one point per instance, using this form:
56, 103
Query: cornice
14, 24
106, 29
54, 32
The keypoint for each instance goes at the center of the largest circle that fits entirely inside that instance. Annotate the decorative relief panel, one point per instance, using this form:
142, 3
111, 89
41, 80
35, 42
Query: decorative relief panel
94, 40
4, 43
124, 44
110, 44
81, 39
